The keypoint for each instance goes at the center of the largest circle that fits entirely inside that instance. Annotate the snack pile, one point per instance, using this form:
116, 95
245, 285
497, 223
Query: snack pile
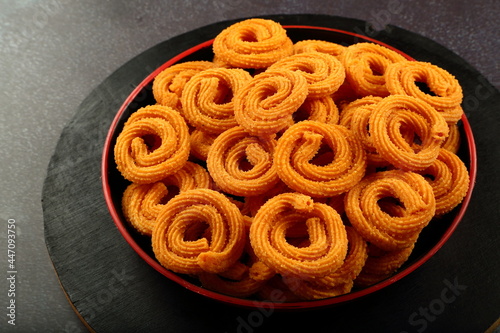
309, 167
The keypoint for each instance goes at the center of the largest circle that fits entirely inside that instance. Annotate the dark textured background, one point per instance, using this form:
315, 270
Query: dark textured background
53, 53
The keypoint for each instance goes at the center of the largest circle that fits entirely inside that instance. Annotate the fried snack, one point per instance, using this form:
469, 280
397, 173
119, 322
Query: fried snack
381, 265
214, 255
254, 202
445, 93
242, 164
201, 143
327, 236
219, 63
283, 197
314, 45
143, 164
390, 208
339, 282
207, 98
245, 278
306, 290
324, 73
252, 43
449, 179
321, 109
265, 105
169, 83
407, 132
141, 203
453, 141
277, 291
297, 148
365, 65
337, 203
349, 109
356, 117
242, 287
191, 176
344, 95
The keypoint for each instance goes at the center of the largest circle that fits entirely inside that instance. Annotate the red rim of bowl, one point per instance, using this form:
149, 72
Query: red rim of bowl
254, 303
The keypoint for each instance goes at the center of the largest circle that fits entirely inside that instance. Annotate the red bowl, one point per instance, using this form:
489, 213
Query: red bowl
430, 241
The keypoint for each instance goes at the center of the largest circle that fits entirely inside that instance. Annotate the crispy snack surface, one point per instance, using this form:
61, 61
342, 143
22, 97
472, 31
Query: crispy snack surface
252, 43
307, 167
327, 236
217, 248
301, 143
167, 151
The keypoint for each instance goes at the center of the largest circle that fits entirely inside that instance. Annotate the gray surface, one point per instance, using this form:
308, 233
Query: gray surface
54, 52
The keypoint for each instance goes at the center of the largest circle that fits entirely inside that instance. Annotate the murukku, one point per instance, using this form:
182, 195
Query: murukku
339, 282
306, 290
327, 237
430, 83
207, 98
141, 203
314, 45
141, 163
349, 109
381, 265
243, 279
296, 151
201, 143
453, 141
243, 287
265, 105
252, 43
254, 202
321, 109
407, 132
337, 203
356, 117
324, 73
344, 95
390, 208
449, 179
365, 65
191, 176
260, 172
242, 164
214, 254
169, 83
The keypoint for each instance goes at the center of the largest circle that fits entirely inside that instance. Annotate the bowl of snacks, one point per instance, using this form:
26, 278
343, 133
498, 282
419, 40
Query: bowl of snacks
304, 166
